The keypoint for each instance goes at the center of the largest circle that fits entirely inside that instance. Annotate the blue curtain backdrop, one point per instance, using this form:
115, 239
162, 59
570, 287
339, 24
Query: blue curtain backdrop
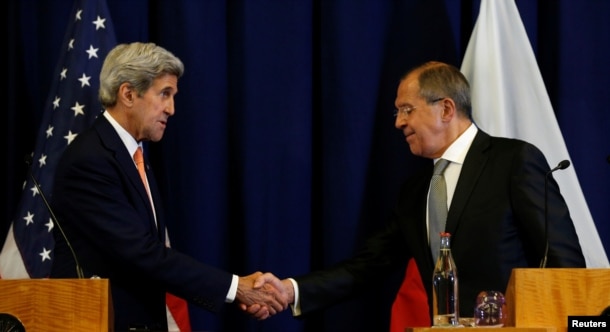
282, 155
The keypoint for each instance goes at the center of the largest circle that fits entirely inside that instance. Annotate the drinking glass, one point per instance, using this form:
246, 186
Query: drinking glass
490, 309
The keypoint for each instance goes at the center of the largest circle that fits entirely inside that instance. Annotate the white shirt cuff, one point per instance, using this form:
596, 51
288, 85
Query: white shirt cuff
296, 306
232, 290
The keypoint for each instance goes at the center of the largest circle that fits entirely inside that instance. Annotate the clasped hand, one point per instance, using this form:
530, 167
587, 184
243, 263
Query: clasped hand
263, 295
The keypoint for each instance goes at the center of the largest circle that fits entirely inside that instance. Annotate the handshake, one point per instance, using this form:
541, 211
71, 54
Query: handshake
262, 295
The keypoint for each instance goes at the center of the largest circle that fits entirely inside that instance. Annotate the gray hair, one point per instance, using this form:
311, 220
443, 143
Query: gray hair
137, 64
441, 80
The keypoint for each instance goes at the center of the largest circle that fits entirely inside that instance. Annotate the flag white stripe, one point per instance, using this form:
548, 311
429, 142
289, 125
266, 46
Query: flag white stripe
509, 99
11, 262
172, 326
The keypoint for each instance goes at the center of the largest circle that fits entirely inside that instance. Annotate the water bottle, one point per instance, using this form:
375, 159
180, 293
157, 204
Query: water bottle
445, 287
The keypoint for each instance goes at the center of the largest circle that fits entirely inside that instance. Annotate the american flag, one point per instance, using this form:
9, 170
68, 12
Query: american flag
72, 105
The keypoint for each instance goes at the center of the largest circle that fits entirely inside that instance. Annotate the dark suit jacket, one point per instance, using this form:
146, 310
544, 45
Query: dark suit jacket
105, 213
496, 219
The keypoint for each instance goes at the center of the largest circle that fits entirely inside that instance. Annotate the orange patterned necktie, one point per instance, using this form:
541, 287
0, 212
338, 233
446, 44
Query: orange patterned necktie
176, 308
138, 157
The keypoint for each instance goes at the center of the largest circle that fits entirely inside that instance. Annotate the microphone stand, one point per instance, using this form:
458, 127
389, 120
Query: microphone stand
79, 270
562, 165
546, 221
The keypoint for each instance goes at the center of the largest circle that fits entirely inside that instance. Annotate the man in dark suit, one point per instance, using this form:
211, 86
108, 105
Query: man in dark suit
113, 216
495, 195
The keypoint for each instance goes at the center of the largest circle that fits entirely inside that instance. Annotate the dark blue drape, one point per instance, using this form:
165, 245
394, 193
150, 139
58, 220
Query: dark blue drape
282, 155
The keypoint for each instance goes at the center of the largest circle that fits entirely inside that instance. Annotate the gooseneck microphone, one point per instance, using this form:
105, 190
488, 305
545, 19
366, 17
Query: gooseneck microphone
28, 162
562, 165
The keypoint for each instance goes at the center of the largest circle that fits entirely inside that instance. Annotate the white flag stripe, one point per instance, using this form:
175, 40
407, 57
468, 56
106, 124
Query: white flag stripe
172, 326
11, 264
509, 99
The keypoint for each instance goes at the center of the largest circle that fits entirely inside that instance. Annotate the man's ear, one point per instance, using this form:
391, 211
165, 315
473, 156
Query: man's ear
126, 94
449, 111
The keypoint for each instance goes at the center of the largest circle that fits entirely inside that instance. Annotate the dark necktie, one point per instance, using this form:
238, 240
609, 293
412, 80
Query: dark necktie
437, 206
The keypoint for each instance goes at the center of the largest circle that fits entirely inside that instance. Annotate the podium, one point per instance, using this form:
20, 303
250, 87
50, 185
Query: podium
58, 304
540, 300
481, 329
546, 297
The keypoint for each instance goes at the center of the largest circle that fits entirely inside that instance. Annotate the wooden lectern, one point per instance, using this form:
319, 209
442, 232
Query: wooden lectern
540, 300
58, 304
546, 297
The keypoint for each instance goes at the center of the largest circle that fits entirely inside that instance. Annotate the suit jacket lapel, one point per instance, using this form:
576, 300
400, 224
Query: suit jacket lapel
112, 142
156, 196
475, 161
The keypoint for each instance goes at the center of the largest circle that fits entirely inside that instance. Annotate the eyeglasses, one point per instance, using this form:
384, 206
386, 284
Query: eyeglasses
407, 110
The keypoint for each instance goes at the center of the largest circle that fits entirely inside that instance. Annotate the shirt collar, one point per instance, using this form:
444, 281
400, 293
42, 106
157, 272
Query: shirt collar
456, 153
130, 143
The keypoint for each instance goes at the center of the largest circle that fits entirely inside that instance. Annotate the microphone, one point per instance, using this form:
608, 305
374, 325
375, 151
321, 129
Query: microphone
562, 165
28, 162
